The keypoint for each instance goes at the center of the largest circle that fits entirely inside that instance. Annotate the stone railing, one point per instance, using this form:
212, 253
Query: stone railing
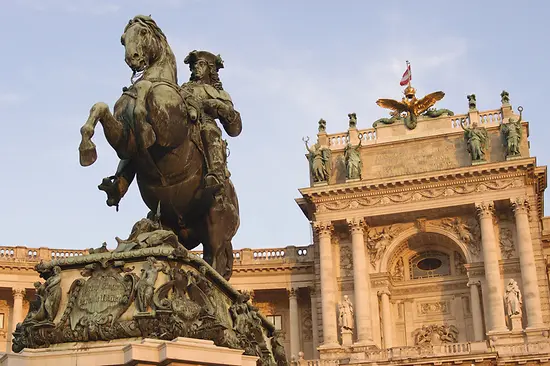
338, 140
290, 254
439, 125
410, 353
24, 254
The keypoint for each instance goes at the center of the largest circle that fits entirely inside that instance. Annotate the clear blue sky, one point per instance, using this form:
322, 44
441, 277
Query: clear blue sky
287, 64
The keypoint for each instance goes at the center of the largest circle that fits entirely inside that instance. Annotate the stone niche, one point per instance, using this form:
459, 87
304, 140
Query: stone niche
161, 292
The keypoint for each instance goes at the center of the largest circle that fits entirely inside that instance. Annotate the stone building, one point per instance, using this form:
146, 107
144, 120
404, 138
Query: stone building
443, 258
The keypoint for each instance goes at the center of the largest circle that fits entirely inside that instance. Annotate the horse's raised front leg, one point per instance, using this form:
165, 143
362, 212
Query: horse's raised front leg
111, 127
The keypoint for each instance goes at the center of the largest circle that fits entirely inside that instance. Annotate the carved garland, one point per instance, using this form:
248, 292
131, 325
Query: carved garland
421, 195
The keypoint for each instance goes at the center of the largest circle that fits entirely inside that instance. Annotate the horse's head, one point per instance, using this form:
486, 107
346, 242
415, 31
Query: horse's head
145, 43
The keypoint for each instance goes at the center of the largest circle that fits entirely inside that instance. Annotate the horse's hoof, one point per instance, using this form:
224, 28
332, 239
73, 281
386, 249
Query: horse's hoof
88, 156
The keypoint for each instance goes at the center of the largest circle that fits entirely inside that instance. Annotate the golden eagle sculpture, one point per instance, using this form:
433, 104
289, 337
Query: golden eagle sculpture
412, 107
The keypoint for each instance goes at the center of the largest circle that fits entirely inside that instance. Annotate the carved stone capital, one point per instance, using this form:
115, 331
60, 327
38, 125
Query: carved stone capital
323, 228
520, 205
292, 292
384, 291
312, 291
473, 283
18, 293
356, 224
485, 210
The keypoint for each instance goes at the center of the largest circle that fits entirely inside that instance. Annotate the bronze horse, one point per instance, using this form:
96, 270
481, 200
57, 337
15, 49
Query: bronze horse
154, 126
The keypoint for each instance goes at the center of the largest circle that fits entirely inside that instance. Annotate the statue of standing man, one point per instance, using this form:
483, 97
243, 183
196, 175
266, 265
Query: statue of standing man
477, 141
345, 309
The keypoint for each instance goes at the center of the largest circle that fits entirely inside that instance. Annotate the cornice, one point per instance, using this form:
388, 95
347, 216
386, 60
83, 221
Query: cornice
434, 179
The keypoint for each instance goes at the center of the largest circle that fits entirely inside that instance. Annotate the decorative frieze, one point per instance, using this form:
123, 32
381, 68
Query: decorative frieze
404, 196
433, 308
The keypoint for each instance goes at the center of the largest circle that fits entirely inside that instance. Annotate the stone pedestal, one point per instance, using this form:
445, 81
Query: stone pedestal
347, 337
160, 292
515, 321
178, 352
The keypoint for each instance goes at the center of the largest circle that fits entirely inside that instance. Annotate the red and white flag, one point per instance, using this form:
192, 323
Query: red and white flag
407, 76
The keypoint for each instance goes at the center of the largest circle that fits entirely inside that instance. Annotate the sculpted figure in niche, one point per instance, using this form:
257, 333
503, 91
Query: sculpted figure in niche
345, 310
477, 141
512, 133
352, 157
319, 161
513, 298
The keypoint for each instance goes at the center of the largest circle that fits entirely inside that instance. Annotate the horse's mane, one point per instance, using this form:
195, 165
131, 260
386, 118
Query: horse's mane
149, 23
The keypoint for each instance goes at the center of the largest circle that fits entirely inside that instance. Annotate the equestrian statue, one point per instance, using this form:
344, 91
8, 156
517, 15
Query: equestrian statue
167, 137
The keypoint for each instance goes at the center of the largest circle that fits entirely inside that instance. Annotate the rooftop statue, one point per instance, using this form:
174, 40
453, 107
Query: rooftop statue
512, 134
477, 141
319, 161
166, 136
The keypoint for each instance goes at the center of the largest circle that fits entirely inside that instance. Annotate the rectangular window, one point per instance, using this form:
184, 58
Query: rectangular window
276, 320
1, 320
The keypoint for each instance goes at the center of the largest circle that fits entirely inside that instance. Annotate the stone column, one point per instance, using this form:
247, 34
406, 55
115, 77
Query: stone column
328, 289
361, 283
18, 295
314, 325
386, 317
494, 297
475, 306
294, 322
531, 295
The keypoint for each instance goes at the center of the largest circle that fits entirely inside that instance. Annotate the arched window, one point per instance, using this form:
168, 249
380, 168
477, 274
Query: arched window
429, 264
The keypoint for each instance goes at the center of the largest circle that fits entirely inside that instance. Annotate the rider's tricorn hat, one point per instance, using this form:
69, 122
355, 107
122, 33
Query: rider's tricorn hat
210, 58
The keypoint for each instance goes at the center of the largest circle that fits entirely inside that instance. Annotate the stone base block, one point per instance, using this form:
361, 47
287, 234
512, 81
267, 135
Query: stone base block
479, 162
347, 337
516, 322
180, 351
514, 157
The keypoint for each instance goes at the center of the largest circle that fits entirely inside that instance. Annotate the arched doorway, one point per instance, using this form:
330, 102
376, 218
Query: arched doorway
429, 294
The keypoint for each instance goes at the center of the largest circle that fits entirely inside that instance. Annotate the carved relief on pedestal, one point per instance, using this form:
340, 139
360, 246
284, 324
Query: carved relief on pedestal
435, 335
378, 240
467, 230
506, 242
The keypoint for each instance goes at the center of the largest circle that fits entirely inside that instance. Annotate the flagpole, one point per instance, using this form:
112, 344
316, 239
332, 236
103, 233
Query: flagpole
410, 72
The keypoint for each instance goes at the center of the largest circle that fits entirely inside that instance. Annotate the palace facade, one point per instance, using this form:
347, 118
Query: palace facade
443, 258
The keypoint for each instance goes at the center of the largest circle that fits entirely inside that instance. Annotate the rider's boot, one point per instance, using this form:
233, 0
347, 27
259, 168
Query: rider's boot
215, 161
117, 185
